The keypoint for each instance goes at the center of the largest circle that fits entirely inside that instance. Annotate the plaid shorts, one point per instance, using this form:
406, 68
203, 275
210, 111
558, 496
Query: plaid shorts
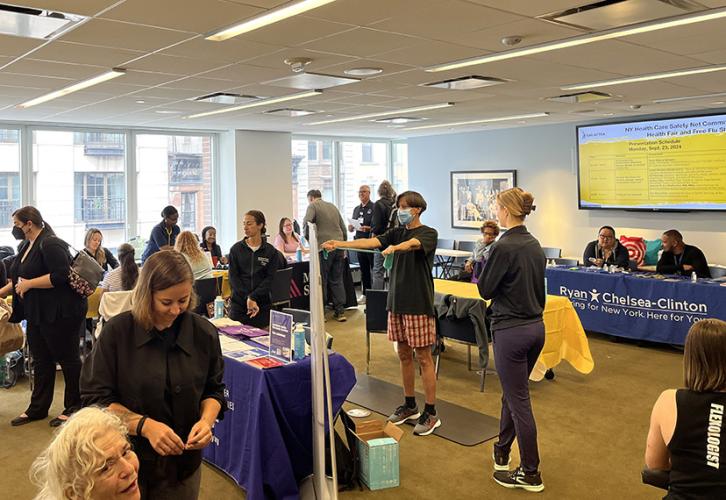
417, 330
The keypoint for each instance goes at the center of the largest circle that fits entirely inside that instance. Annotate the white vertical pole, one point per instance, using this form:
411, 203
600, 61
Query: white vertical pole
318, 367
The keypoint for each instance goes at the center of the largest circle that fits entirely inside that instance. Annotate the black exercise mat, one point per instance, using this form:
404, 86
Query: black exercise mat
458, 424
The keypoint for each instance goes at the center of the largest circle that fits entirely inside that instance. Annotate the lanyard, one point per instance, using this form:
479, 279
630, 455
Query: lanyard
678, 260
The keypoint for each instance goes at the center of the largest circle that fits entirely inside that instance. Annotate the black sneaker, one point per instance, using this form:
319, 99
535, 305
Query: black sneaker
426, 424
501, 460
404, 413
519, 479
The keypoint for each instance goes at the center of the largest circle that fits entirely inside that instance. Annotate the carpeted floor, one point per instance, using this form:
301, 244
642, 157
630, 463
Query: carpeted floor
592, 428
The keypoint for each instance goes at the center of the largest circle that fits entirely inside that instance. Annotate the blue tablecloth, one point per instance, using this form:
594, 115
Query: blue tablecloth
265, 440
628, 305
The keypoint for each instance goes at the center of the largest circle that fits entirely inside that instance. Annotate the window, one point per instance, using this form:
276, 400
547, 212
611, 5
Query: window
360, 163
313, 151
400, 166
310, 173
326, 150
174, 170
79, 183
100, 198
9, 181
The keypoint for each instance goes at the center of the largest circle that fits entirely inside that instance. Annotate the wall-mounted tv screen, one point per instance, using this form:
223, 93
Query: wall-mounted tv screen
667, 164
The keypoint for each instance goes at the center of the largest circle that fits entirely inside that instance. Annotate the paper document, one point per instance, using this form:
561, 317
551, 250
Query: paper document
355, 223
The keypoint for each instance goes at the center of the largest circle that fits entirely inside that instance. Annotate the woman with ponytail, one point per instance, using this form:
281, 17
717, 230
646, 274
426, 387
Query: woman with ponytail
513, 279
124, 277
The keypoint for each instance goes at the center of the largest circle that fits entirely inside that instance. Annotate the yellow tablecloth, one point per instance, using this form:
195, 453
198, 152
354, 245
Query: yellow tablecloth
94, 301
564, 336
226, 289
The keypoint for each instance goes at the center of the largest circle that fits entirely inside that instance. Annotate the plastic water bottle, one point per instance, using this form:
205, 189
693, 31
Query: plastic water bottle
298, 255
219, 307
694, 277
298, 337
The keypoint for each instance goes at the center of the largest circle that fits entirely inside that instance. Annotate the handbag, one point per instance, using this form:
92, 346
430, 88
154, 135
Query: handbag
11, 334
85, 274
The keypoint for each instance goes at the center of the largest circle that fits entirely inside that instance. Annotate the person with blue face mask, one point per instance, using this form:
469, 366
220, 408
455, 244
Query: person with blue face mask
411, 320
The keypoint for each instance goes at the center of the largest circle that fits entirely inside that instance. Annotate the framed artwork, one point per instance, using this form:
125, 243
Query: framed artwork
473, 195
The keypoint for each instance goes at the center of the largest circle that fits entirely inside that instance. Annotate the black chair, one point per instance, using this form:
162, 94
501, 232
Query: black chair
440, 262
446, 243
298, 315
462, 331
207, 290
552, 252
566, 262
280, 288
717, 271
376, 318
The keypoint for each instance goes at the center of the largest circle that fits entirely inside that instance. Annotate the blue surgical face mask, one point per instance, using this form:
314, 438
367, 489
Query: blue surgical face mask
405, 216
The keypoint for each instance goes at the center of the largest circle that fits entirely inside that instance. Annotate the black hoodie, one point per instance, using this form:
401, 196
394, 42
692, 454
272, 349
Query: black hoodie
251, 273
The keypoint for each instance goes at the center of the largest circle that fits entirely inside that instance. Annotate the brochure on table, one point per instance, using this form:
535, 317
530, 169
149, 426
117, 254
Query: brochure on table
281, 336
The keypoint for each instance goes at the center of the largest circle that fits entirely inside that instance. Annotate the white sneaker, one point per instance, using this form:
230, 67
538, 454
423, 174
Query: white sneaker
362, 300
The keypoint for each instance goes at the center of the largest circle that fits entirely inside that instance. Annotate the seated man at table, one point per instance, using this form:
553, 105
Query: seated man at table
679, 258
605, 250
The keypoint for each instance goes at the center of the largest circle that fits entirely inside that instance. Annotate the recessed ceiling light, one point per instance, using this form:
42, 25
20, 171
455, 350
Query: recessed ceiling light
109, 75
363, 71
261, 102
269, 17
467, 82
398, 120
167, 112
645, 78
477, 122
309, 81
718, 103
635, 29
689, 97
30, 22
384, 113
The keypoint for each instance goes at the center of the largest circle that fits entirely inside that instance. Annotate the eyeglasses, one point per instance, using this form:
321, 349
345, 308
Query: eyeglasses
490, 234
603, 237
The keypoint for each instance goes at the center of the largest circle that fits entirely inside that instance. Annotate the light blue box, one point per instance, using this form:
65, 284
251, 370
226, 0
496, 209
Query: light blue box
378, 453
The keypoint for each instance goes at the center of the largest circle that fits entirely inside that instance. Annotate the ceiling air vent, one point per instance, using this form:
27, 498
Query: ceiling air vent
35, 23
608, 14
311, 81
580, 97
467, 82
290, 112
226, 98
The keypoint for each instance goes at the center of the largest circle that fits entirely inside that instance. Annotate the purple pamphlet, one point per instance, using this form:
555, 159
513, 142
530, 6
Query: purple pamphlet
243, 330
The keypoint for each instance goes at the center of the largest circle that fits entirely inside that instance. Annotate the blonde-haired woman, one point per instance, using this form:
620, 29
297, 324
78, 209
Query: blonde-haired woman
92, 244
687, 431
159, 367
89, 458
513, 278
187, 245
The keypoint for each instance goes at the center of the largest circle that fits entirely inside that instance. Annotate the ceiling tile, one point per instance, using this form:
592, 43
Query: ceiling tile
446, 18
712, 56
203, 85
245, 73
532, 8
233, 50
362, 42
387, 67
17, 46
146, 78
116, 34
685, 40
33, 81
77, 53
319, 59
265, 4
428, 53
532, 31
364, 13
175, 65
196, 16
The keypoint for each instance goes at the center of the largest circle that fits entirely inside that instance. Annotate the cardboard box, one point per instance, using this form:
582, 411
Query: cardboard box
378, 452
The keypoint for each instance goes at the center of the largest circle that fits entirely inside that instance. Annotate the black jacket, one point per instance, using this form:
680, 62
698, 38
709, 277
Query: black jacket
251, 273
381, 213
215, 251
693, 256
619, 257
49, 255
513, 278
133, 367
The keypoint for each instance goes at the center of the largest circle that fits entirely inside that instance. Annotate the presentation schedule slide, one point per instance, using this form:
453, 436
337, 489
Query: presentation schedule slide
667, 164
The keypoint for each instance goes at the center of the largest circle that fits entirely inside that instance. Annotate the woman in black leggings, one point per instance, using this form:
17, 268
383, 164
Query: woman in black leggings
513, 278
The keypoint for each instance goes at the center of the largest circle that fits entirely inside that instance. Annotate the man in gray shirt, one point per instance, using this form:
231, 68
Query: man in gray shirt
330, 226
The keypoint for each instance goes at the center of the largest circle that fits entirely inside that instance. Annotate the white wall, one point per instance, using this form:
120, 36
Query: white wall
255, 173
545, 160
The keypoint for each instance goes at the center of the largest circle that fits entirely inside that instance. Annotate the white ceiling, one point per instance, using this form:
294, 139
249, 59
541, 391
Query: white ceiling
168, 62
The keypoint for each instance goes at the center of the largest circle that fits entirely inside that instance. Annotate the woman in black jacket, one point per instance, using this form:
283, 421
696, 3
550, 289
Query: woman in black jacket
53, 310
513, 278
380, 224
252, 266
93, 246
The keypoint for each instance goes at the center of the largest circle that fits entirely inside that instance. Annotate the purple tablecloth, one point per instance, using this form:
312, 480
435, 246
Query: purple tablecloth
265, 440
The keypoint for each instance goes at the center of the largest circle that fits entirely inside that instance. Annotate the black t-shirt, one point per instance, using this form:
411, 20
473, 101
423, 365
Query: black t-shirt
364, 215
698, 446
412, 284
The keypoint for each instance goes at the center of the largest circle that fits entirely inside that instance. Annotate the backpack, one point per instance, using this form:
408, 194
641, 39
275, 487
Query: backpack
346, 456
393, 218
